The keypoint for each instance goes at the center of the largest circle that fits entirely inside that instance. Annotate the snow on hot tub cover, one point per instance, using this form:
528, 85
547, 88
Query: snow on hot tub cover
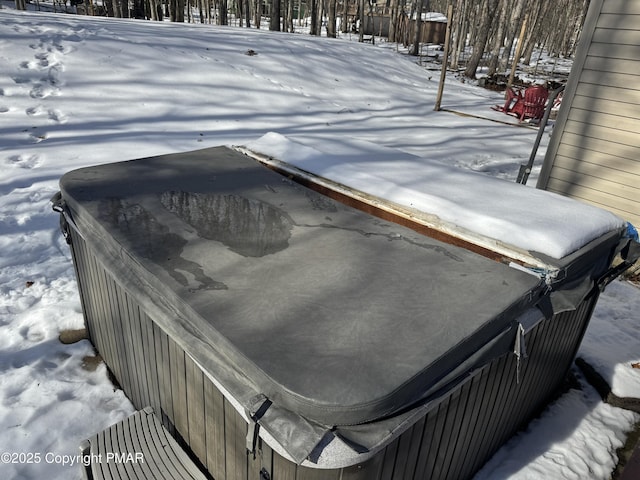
526, 218
334, 316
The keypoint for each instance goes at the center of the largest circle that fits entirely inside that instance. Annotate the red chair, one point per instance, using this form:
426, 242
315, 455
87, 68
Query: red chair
529, 104
534, 103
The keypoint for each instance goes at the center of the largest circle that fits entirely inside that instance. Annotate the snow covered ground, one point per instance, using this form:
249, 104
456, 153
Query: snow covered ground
79, 91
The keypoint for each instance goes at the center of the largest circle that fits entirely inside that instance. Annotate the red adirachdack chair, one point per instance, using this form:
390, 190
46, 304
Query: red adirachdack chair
529, 104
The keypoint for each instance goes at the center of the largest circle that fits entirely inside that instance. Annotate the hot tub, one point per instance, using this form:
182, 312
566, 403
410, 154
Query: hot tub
279, 333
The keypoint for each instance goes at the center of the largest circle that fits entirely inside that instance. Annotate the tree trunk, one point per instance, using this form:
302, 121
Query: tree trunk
422, 5
290, 16
394, 15
361, 21
257, 13
344, 22
21, 4
313, 7
517, 16
320, 14
247, 13
155, 10
223, 12
460, 33
498, 38
274, 20
480, 42
539, 19
117, 8
331, 21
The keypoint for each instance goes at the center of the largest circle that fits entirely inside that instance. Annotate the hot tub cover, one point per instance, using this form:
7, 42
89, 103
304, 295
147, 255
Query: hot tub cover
280, 293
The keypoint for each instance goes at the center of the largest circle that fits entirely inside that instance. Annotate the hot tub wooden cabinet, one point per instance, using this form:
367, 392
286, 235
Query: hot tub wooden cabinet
280, 334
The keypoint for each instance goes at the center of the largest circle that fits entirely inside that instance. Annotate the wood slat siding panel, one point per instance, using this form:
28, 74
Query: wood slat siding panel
196, 409
305, 473
619, 21
628, 162
611, 64
600, 165
370, 470
431, 452
613, 37
114, 349
283, 469
453, 424
515, 405
79, 269
214, 430
600, 199
621, 6
164, 376
616, 192
468, 424
505, 377
425, 443
129, 342
389, 455
622, 52
81, 262
146, 353
415, 449
603, 112
178, 389
152, 365
263, 458
100, 317
235, 443
487, 419
609, 79
120, 367
147, 367
133, 316
610, 36
408, 451
628, 94
611, 135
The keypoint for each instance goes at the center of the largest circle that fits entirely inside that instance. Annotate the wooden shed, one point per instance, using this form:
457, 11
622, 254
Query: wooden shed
594, 152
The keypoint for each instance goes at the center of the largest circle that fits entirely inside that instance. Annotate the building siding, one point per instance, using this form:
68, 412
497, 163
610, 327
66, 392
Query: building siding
594, 152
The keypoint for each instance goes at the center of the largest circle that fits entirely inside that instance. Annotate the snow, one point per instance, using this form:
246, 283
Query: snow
79, 91
528, 219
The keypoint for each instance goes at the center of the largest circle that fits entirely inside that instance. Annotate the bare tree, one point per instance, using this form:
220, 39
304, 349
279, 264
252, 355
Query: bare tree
460, 32
155, 10
223, 12
274, 19
344, 25
331, 20
488, 11
257, 13
176, 10
512, 30
498, 37
422, 5
246, 11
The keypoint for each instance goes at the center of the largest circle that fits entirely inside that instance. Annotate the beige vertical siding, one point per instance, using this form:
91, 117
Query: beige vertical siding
594, 153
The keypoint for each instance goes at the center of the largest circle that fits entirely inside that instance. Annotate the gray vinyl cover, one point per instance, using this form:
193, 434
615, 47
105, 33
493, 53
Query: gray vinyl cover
279, 292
